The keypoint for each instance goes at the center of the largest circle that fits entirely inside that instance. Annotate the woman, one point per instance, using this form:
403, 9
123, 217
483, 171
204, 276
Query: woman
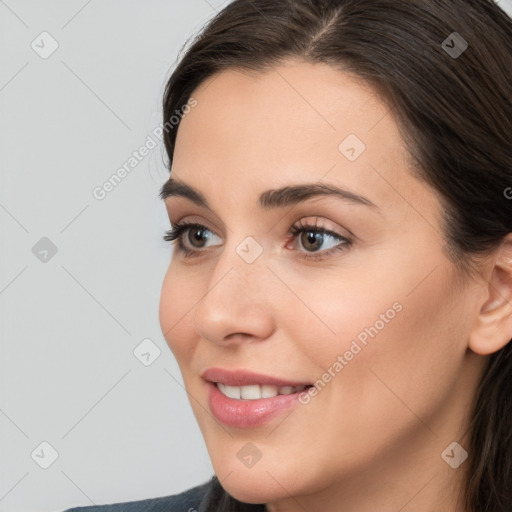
339, 297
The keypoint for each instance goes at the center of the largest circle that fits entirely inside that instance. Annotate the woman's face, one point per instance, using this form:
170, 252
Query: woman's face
372, 311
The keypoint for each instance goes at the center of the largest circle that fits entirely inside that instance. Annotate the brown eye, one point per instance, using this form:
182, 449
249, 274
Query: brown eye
312, 240
196, 236
191, 237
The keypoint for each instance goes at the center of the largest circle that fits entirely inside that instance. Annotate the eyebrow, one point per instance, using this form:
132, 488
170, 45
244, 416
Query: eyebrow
273, 198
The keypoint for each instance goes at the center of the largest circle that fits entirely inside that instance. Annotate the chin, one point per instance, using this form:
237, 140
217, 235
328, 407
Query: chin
262, 484
248, 489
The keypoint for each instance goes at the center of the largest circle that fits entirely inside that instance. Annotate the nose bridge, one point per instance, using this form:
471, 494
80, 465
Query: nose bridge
236, 300
242, 267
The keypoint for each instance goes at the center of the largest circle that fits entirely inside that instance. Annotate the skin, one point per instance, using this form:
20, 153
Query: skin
372, 438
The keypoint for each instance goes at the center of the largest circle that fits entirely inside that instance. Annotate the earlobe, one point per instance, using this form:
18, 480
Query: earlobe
493, 327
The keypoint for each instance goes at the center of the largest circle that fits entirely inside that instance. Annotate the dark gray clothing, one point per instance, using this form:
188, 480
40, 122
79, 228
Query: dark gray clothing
202, 498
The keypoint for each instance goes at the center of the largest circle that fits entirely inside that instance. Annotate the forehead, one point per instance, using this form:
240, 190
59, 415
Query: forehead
290, 102
254, 130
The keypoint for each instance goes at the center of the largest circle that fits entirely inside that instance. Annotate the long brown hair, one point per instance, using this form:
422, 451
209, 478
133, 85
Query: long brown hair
455, 114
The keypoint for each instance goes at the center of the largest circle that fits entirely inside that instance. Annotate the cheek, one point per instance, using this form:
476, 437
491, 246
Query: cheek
176, 302
401, 324
341, 312
399, 345
399, 361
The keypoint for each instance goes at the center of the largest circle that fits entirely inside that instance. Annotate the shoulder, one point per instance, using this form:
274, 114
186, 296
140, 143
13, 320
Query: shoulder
186, 501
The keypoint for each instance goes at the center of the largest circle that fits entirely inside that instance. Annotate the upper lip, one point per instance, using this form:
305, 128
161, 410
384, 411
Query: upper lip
246, 378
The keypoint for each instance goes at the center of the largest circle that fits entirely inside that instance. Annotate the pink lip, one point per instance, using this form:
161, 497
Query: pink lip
246, 378
247, 413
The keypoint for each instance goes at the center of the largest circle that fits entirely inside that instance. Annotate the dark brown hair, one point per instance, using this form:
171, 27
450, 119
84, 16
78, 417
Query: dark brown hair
455, 115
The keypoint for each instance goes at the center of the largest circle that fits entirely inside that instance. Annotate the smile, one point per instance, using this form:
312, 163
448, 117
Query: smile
257, 391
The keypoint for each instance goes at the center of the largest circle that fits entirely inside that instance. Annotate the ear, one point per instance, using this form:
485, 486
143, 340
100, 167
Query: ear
493, 326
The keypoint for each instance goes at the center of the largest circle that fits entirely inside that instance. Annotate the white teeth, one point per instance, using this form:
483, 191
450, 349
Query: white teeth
250, 392
232, 391
268, 391
256, 391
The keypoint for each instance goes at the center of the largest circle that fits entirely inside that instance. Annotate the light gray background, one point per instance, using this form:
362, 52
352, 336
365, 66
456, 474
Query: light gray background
69, 326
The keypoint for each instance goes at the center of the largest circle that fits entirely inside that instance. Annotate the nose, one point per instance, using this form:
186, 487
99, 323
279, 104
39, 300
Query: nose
236, 305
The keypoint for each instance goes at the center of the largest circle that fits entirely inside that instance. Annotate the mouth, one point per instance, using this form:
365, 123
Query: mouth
251, 405
241, 398
258, 391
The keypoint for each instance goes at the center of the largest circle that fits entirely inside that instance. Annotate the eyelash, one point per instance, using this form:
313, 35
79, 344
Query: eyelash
177, 231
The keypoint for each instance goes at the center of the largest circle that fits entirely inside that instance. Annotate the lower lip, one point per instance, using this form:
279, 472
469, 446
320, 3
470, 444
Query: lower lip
247, 413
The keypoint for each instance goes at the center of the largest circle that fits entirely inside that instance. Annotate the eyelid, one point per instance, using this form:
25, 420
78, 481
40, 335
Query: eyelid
195, 220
